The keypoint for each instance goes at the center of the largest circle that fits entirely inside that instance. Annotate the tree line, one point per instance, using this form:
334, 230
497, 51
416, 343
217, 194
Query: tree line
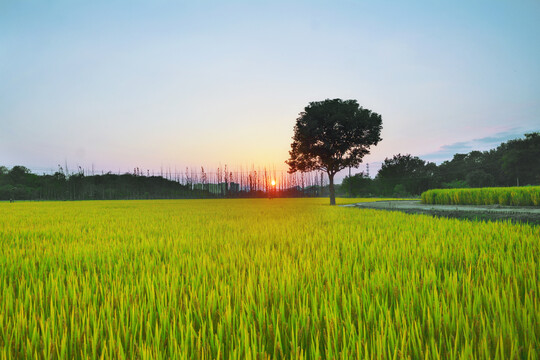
512, 163
19, 183
516, 162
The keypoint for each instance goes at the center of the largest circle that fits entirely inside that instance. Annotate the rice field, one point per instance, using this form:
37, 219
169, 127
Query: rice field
511, 196
259, 278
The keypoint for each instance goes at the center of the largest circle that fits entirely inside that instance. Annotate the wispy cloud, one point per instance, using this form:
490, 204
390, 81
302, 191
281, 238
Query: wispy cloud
446, 152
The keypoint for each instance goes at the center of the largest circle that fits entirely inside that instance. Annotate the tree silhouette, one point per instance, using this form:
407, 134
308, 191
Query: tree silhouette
332, 135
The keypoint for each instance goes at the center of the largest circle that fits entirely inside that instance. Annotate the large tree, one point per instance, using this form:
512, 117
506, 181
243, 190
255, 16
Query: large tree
332, 135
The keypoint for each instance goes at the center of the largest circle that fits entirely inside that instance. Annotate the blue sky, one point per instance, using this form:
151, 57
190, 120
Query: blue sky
120, 84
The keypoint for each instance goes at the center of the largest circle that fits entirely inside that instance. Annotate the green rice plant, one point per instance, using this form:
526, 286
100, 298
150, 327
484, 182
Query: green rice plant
259, 278
510, 196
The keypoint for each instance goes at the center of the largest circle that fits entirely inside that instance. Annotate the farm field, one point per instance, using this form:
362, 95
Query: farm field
259, 278
510, 196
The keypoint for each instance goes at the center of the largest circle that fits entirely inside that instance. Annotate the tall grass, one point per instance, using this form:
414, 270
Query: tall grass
246, 279
513, 196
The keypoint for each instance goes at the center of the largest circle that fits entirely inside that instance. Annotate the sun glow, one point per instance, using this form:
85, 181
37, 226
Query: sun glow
273, 182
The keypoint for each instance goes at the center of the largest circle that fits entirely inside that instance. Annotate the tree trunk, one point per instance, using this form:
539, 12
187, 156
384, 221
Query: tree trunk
331, 189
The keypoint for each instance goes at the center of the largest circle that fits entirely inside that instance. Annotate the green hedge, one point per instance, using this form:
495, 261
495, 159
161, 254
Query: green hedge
513, 196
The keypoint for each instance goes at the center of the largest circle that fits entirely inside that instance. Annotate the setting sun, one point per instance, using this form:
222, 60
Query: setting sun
273, 182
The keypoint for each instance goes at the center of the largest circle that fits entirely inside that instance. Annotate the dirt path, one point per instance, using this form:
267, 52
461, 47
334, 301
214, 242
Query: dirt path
482, 212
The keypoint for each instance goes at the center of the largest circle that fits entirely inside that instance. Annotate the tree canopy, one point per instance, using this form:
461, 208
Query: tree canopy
332, 135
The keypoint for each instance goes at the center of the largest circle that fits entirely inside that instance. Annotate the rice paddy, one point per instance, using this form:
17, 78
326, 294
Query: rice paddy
259, 278
511, 196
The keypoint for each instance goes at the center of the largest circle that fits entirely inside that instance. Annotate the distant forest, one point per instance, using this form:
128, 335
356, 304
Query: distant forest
513, 163
19, 183
516, 162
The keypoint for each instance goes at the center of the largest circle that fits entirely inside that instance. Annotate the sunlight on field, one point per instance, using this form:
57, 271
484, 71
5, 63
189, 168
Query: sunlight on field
253, 278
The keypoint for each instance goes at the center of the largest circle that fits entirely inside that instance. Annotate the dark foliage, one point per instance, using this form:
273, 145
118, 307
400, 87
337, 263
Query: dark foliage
20, 184
358, 185
516, 162
410, 174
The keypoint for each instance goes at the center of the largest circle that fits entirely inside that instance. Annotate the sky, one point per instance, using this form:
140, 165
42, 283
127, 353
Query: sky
123, 84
